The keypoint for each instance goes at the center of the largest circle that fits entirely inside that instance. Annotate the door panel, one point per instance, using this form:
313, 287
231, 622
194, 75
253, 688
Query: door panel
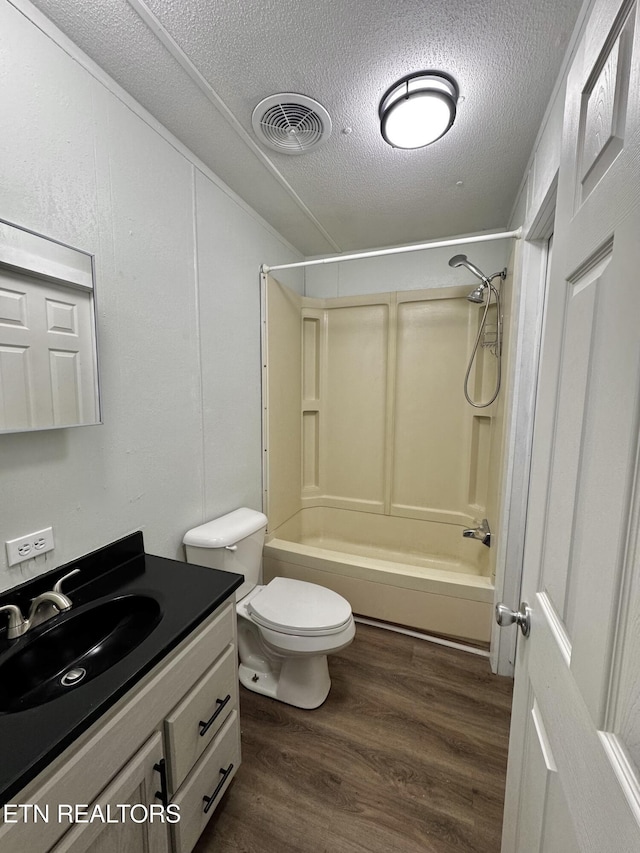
574, 767
579, 312
558, 834
46, 354
540, 767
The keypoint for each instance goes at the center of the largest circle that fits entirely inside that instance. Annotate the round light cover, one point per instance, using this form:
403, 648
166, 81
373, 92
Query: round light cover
418, 109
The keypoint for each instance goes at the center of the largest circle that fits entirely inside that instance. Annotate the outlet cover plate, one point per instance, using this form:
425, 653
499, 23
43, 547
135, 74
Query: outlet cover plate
29, 546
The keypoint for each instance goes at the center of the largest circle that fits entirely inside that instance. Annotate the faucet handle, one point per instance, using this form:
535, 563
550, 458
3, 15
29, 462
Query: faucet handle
481, 532
17, 622
485, 533
58, 586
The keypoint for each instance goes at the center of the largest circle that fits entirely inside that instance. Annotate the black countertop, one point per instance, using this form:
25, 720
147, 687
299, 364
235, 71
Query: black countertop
30, 739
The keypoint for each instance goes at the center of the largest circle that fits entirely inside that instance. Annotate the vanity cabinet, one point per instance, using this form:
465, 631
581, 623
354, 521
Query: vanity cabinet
175, 733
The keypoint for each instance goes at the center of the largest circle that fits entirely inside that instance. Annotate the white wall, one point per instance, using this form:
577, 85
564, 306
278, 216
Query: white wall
230, 344
177, 261
410, 271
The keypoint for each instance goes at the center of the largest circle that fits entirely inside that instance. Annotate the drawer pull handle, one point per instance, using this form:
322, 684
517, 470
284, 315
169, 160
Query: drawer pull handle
163, 793
210, 800
204, 727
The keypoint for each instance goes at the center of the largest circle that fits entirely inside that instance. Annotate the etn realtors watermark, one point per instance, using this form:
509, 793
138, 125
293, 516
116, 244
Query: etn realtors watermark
73, 813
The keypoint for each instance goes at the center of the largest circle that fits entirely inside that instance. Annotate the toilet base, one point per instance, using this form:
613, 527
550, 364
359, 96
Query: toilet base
302, 682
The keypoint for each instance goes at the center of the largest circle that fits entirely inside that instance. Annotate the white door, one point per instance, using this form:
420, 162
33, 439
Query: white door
573, 780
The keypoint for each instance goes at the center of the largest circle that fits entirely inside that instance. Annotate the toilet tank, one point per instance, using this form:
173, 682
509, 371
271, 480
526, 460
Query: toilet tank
233, 543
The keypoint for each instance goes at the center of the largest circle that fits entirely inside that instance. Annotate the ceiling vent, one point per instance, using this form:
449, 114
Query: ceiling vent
291, 124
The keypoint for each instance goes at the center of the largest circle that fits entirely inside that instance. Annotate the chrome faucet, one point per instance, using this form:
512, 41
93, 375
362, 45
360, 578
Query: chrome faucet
43, 607
480, 532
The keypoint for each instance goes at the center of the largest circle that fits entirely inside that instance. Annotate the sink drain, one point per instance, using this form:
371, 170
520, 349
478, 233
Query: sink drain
73, 676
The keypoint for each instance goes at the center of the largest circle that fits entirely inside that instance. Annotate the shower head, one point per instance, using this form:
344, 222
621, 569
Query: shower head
477, 295
461, 261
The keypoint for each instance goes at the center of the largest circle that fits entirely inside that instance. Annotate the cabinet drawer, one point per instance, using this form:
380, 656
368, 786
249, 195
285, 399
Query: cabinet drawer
194, 723
211, 775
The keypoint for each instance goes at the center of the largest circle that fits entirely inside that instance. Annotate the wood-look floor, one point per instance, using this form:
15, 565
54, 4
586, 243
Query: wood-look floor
407, 754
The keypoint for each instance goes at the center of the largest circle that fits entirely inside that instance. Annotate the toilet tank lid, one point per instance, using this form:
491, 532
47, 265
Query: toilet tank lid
226, 530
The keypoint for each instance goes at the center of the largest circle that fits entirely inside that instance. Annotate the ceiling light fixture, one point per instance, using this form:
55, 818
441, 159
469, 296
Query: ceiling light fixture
418, 109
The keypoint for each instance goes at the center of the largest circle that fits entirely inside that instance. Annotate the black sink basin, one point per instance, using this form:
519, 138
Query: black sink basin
72, 649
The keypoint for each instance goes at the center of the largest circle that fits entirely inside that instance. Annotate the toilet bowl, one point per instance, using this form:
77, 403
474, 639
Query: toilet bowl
287, 627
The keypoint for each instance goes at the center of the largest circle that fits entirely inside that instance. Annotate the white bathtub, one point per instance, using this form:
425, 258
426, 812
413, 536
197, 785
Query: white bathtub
417, 573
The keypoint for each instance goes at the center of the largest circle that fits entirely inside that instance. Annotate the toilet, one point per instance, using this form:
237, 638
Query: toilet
287, 627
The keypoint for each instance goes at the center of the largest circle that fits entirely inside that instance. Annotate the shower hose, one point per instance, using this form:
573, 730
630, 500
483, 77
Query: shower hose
475, 350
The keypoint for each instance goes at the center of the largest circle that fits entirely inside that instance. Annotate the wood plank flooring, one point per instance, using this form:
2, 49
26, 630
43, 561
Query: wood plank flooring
407, 754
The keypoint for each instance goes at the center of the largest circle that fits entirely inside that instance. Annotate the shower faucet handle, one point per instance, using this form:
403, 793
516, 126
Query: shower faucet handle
481, 532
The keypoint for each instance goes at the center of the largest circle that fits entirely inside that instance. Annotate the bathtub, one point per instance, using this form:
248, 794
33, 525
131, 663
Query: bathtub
416, 573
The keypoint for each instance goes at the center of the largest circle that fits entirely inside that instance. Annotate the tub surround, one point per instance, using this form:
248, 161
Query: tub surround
374, 462
31, 739
365, 410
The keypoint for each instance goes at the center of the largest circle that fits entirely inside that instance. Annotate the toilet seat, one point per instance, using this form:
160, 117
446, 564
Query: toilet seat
305, 609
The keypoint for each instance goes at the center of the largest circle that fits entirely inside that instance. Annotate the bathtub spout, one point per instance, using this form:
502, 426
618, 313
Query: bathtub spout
482, 532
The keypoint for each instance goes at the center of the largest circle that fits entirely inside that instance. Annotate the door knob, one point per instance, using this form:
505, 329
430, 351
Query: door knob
506, 616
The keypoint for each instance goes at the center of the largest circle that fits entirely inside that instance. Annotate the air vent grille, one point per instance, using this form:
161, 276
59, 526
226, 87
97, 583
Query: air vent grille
291, 124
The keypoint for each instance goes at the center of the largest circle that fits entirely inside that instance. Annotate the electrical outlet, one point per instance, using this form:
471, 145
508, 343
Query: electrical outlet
27, 547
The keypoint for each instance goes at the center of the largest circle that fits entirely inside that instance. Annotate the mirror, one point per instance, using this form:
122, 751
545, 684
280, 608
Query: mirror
48, 339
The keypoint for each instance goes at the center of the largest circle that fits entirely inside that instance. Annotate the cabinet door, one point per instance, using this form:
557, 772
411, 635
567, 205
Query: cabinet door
136, 784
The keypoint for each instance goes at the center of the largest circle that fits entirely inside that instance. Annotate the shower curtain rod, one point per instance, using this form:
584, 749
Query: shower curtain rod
396, 250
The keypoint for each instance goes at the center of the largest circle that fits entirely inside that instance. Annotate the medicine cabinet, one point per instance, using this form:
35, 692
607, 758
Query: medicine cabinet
48, 340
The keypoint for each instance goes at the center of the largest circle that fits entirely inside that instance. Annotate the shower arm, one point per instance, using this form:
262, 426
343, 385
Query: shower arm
501, 274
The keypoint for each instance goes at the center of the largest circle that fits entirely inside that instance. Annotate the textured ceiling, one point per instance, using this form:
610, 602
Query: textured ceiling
201, 66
